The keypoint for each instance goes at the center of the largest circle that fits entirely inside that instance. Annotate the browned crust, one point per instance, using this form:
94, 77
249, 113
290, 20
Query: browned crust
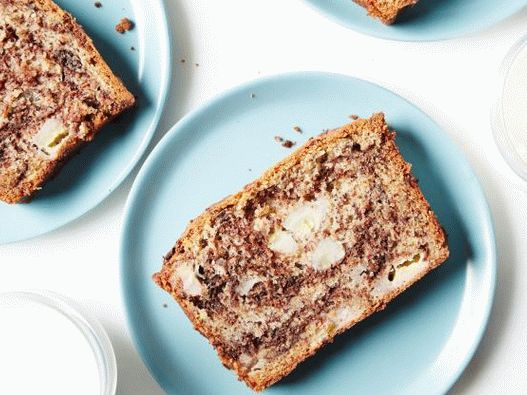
123, 100
379, 9
300, 352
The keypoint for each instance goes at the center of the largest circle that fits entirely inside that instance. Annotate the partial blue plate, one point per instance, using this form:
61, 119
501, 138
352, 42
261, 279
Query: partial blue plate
419, 345
103, 164
428, 20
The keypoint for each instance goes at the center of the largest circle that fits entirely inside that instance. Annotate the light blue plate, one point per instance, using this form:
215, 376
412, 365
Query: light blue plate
103, 164
419, 345
428, 20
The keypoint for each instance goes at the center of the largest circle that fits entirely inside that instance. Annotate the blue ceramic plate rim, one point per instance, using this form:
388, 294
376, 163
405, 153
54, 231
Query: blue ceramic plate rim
161, 99
150, 163
390, 32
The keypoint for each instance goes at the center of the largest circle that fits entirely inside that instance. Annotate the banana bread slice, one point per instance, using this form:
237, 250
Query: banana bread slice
56, 92
322, 240
385, 10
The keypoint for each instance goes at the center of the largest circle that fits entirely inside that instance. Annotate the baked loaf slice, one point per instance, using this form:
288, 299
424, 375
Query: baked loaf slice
322, 240
385, 10
56, 92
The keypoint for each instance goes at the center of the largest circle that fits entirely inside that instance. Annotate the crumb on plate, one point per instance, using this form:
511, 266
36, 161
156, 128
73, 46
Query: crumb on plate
288, 144
124, 25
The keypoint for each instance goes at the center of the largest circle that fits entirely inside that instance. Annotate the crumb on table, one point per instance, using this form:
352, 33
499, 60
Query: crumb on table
278, 139
124, 25
297, 129
97, 4
354, 117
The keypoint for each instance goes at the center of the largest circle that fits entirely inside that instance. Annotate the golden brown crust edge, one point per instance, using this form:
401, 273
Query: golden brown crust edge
386, 16
25, 190
302, 351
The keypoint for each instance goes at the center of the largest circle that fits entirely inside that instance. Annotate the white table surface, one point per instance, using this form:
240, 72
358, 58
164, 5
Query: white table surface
239, 40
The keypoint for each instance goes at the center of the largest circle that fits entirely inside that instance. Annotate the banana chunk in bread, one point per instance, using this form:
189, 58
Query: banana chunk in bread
56, 92
385, 10
322, 240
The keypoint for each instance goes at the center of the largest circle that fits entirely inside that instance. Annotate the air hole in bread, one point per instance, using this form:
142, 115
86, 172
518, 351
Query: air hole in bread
416, 258
391, 274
